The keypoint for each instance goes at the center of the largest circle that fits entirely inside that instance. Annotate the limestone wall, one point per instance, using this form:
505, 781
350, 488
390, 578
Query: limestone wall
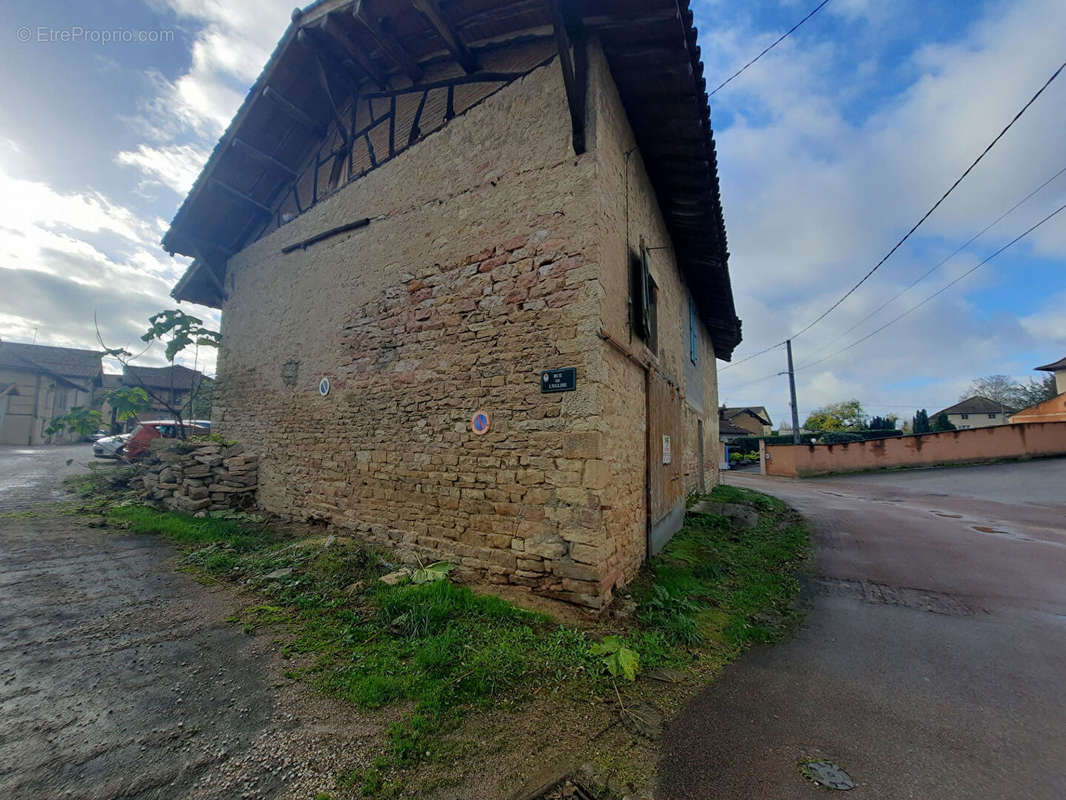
483, 265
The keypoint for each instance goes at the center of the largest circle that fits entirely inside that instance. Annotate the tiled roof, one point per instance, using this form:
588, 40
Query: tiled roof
1054, 366
756, 411
975, 405
67, 362
175, 377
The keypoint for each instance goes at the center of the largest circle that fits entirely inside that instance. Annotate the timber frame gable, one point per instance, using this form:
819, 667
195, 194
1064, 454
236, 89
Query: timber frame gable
354, 83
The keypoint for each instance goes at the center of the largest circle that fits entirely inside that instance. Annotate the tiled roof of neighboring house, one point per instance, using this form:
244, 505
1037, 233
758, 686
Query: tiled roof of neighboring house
1055, 366
756, 411
64, 362
727, 428
975, 405
111, 381
175, 377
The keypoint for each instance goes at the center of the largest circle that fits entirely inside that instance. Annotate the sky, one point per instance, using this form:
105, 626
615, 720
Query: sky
830, 148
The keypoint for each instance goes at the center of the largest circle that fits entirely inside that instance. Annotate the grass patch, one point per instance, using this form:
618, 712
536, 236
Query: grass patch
440, 651
718, 583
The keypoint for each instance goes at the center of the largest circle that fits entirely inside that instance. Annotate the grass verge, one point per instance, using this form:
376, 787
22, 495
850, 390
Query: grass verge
441, 651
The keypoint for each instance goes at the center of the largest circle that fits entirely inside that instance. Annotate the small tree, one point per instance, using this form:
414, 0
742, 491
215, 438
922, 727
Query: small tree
886, 423
920, 423
177, 330
942, 423
80, 421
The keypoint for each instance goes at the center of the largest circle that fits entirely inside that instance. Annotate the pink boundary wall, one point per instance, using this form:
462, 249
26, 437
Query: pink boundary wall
929, 449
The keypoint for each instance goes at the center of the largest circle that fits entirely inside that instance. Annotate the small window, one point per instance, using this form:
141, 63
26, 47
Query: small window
965, 416
693, 334
991, 416
643, 298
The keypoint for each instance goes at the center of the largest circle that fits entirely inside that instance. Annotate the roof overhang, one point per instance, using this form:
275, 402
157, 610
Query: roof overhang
650, 46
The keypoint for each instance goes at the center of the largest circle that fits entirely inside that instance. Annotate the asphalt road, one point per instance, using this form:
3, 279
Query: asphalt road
119, 678
932, 662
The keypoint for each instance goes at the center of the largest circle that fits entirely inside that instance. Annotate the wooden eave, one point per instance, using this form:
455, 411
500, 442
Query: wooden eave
370, 46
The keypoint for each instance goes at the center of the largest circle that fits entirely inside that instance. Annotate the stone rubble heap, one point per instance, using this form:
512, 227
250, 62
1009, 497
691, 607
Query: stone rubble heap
190, 477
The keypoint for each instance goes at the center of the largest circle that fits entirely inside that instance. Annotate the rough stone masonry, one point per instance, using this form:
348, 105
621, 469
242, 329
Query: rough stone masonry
486, 253
194, 477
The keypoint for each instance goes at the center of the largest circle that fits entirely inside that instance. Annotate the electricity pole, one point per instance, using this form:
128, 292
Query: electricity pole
792, 391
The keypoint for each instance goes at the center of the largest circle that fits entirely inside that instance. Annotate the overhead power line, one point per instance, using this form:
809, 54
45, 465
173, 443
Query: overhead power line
954, 253
939, 291
935, 205
780, 39
924, 217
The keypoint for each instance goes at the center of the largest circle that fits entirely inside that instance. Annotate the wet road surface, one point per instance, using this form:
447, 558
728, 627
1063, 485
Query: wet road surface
932, 660
119, 678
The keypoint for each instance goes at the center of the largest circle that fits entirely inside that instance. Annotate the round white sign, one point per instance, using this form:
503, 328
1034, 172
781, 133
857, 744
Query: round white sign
323, 387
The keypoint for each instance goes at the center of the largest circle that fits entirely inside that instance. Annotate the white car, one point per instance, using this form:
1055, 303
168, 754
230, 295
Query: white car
110, 446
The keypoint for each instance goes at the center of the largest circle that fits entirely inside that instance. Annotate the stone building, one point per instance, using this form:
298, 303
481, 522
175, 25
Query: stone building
39, 383
472, 267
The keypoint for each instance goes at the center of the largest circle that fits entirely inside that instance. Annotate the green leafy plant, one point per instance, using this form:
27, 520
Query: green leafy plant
80, 421
434, 572
621, 661
128, 402
180, 330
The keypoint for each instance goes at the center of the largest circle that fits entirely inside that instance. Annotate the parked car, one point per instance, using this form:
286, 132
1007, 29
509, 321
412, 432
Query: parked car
99, 434
110, 446
144, 433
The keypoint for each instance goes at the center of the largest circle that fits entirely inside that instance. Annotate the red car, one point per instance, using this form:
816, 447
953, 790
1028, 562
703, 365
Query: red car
144, 433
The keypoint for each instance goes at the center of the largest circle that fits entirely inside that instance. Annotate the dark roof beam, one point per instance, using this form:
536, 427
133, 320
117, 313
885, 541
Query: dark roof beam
247, 199
573, 59
255, 153
293, 111
430, 9
387, 41
330, 28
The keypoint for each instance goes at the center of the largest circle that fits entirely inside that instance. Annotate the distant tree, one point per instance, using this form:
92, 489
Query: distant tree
844, 416
1036, 390
1000, 388
942, 423
920, 423
886, 423
79, 421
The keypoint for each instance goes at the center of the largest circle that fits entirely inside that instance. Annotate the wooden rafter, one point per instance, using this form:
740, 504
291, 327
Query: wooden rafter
263, 158
480, 77
388, 42
247, 199
330, 29
573, 59
293, 111
430, 9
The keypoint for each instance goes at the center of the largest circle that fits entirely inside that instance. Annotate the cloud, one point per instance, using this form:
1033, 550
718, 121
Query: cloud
175, 166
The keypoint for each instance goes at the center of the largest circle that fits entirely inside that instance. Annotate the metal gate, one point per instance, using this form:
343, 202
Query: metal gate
666, 482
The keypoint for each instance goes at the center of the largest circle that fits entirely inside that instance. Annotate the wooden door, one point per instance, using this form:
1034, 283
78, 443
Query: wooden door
666, 482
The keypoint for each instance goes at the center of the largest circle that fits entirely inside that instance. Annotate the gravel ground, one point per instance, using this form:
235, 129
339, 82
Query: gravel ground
121, 678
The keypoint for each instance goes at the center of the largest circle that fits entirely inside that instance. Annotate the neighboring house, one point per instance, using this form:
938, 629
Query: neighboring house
753, 419
473, 273
167, 387
1053, 410
42, 383
975, 412
728, 432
